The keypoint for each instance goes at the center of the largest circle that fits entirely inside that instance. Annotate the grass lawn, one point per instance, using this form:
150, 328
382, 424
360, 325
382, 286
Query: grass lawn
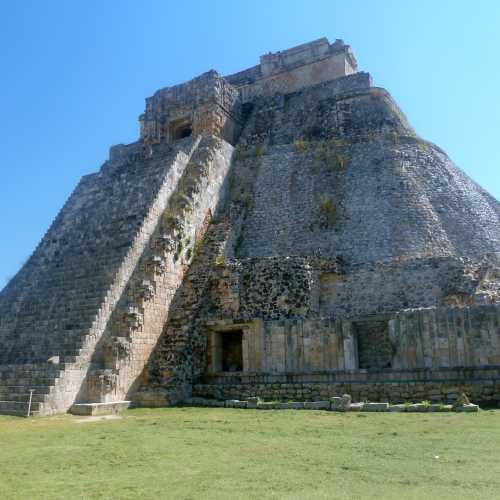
198, 453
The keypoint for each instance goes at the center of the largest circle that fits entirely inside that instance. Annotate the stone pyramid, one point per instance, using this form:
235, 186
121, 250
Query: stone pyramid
281, 232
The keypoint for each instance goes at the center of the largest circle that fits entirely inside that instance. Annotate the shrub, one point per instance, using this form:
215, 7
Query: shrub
339, 161
301, 145
220, 260
327, 211
198, 246
259, 151
393, 137
334, 161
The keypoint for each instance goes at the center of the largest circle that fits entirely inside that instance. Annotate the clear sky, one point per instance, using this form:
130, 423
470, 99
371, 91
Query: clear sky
74, 75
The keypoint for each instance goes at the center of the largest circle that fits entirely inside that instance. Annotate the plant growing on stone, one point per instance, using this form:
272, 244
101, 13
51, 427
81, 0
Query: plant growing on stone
179, 251
169, 218
340, 161
393, 137
241, 152
259, 151
244, 198
220, 260
301, 146
334, 161
198, 246
327, 212
322, 151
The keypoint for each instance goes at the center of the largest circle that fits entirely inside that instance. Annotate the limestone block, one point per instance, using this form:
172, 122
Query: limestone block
252, 402
446, 408
469, 408
95, 409
146, 290
356, 406
235, 403
375, 406
417, 407
317, 405
340, 403
265, 405
215, 403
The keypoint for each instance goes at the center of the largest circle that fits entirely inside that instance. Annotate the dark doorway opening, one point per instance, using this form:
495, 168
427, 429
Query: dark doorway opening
232, 351
181, 129
184, 132
374, 345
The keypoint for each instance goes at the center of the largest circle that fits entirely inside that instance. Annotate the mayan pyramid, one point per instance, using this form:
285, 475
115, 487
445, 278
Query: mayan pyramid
281, 232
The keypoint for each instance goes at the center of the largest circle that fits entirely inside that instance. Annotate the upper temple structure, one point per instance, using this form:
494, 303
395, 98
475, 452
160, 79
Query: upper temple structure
282, 233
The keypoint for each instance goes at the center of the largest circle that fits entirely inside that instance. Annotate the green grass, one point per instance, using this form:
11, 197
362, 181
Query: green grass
198, 453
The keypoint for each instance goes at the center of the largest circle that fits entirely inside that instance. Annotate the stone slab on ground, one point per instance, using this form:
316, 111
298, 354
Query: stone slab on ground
469, 408
234, 403
375, 406
317, 405
95, 409
289, 406
356, 407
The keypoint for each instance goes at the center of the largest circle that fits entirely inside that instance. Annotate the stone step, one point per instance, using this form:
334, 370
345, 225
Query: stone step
35, 378
27, 385
24, 389
48, 370
18, 409
63, 348
22, 397
39, 378
69, 358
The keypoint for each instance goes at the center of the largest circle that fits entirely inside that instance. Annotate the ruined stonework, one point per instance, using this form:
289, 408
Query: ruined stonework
279, 233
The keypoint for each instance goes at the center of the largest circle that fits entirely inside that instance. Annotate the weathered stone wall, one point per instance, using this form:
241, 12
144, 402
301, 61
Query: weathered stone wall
294, 69
445, 385
453, 336
308, 287
399, 284
208, 104
357, 184
425, 338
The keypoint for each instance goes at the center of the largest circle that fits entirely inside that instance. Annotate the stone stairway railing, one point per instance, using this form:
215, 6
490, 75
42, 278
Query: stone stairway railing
21, 385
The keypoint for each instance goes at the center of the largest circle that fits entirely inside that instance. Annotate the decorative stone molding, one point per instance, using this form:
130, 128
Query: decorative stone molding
133, 318
166, 243
146, 290
157, 265
102, 385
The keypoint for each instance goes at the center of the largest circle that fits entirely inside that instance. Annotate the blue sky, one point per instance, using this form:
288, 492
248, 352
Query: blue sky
74, 76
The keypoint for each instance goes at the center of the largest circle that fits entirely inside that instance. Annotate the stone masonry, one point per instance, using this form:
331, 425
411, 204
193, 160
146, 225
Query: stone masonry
279, 233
